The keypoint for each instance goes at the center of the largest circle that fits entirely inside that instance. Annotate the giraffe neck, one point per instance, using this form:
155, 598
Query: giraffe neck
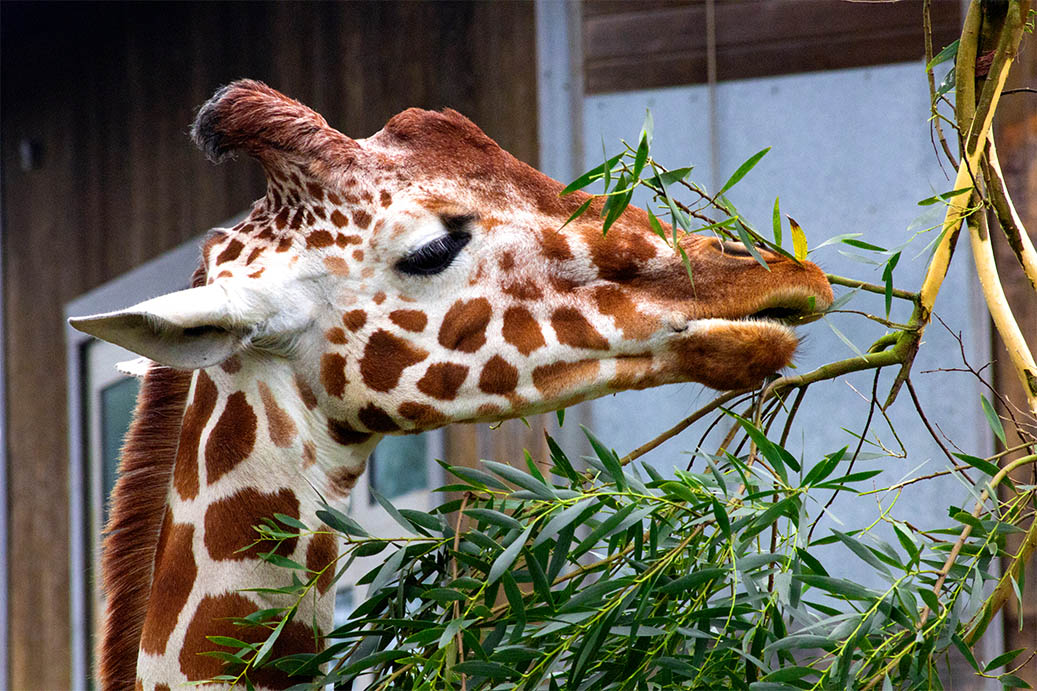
249, 447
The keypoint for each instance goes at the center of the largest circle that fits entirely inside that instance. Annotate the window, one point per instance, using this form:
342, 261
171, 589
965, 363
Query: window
101, 401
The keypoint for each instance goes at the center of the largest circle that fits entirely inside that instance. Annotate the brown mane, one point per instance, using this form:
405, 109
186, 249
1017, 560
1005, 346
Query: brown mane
138, 505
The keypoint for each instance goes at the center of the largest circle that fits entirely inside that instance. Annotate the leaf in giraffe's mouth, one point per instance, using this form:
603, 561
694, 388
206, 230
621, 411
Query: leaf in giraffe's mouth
802, 312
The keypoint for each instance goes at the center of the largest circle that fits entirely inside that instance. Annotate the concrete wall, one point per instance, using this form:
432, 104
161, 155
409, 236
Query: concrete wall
851, 153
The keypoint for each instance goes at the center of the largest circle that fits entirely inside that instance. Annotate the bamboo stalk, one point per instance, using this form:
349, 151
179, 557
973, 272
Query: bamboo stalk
1018, 239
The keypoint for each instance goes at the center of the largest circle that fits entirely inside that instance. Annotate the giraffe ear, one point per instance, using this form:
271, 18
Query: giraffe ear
189, 329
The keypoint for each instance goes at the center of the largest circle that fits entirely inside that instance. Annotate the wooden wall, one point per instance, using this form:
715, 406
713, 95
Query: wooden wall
105, 93
655, 43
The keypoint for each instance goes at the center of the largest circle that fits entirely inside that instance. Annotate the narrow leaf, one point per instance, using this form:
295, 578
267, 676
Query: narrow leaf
799, 239
992, 419
776, 222
743, 169
506, 558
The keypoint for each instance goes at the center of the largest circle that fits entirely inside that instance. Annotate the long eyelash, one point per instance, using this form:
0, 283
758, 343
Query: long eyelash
435, 256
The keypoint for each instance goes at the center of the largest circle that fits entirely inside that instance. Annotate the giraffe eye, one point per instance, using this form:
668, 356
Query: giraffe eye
435, 256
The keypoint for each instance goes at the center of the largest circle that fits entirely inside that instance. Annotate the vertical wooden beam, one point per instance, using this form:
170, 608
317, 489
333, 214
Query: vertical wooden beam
1015, 131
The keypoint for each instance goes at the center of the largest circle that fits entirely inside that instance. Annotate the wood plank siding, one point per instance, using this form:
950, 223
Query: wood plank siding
657, 43
105, 94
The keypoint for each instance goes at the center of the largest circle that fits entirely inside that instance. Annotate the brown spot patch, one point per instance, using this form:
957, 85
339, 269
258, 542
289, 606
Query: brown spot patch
333, 373
614, 302
464, 325
522, 330
339, 219
442, 380
297, 218
320, 557
336, 265
563, 377
358, 255
305, 393
230, 252
620, 256
377, 420
335, 335
573, 329
284, 245
315, 190
254, 254
411, 320
231, 439
185, 473
213, 618
224, 274
229, 521
633, 372
354, 320
385, 199
555, 246
385, 358
342, 480
319, 238
231, 365
506, 261
279, 423
342, 433
174, 574
523, 290
362, 218
334, 198
422, 415
309, 454
281, 220
379, 297
498, 376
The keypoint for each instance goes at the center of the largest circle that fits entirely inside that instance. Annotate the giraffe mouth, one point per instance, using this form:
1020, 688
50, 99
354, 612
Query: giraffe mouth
791, 309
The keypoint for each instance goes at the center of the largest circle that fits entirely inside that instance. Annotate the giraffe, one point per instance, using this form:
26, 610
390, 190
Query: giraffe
387, 285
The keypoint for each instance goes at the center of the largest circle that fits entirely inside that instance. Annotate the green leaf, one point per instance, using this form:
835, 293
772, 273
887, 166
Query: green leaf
965, 651
672, 176
825, 468
1003, 659
396, 515
388, 570
506, 558
378, 658
284, 562
750, 244
657, 227
444, 595
580, 210
494, 517
838, 586
339, 521
992, 419
863, 245
560, 414
291, 521
1010, 681
476, 476
862, 551
268, 644
608, 458
720, 516
743, 169
978, 463
799, 240
943, 196
641, 156
485, 668
948, 53
523, 480
887, 279
563, 518
691, 580
776, 222
591, 175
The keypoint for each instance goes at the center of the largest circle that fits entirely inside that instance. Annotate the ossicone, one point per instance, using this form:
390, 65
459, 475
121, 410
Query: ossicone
247, 115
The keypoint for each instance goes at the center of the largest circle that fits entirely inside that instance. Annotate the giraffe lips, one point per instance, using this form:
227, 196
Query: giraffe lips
790, 316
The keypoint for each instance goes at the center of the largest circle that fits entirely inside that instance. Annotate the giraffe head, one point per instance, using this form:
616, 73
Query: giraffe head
422, 276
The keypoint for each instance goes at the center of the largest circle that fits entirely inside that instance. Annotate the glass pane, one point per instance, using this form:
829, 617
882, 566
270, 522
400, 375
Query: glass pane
398, 465
117, 402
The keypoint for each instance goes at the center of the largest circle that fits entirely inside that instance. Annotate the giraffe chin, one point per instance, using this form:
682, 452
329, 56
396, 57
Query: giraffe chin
727, 355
